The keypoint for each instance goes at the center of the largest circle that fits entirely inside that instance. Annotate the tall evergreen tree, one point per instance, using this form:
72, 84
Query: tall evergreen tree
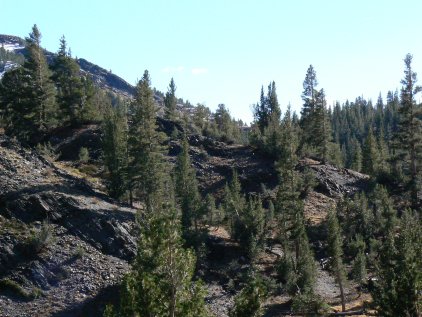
261, 112
370, 155
398, 285
355, 155
70, 96
298, 262
309, 103
187, 190
28, 94
115, 149
320, 125
161, 282
272, 102
170, 101
335, 250
408, 136
144, 149
43, 90
249, 302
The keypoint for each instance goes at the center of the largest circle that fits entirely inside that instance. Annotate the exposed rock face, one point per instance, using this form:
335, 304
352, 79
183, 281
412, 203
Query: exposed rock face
336, 182
91, 238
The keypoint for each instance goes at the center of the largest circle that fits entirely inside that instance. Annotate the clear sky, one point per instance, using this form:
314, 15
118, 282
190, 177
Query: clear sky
222, 51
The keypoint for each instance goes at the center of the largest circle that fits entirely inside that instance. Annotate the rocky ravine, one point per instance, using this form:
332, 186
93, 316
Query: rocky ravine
88, 242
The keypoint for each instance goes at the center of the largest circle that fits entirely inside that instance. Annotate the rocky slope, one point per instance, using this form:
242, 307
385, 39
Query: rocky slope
63, 246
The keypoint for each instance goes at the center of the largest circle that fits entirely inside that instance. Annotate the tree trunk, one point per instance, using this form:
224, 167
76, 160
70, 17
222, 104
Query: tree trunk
340, 284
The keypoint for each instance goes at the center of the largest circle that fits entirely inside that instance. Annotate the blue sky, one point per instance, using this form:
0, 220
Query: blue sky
222, 51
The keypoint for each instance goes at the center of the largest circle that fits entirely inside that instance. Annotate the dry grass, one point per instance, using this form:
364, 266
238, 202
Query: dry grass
96, 182
357, 304
317, 206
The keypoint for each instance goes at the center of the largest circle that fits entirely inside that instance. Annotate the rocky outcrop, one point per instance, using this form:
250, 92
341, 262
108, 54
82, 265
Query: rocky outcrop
63, 245
335, 181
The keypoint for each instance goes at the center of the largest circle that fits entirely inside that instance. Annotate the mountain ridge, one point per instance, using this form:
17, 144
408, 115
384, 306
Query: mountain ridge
101, 77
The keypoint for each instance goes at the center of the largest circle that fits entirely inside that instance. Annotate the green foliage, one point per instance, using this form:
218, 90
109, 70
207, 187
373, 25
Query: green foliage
7, 285
370, 158
10, 285
359, 272
28, 95
115, 149
398, 284
309, 181
408, 138
246, 217
40, 239
170, 101
355, 155
186, 189
109, 311
310, 304
7, 56
335, 250
47, 151
297, 266
145, 162
71, 96
83, 155
266, 130
249, 302
161, 281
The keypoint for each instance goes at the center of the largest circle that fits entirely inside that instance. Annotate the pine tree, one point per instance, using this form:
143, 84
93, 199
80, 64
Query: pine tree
309, 103
321, 129
28, 95
408, 137
161, 282
297, 265
266, 132
359, 263
144, 150
249, 302
234, 204
16, 105
271, 135
370, 155
247, 218
335, 250
261, 112
252, 237
70, 94
356, 156
170, 101
115, 149
274, 111
43, 90
187, 190
398, 285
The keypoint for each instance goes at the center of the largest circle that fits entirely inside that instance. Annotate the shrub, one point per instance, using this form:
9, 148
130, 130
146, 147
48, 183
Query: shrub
47, 151
12, 286
310, 304
83, 155
41, 238
249, 302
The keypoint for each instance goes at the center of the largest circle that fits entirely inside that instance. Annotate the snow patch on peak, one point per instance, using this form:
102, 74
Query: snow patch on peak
11, 47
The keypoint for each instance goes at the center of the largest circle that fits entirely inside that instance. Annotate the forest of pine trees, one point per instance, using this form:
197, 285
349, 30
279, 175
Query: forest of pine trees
377, 233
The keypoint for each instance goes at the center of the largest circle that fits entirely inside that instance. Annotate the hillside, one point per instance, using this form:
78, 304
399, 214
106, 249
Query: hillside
63, 244
91, 238
124, 201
